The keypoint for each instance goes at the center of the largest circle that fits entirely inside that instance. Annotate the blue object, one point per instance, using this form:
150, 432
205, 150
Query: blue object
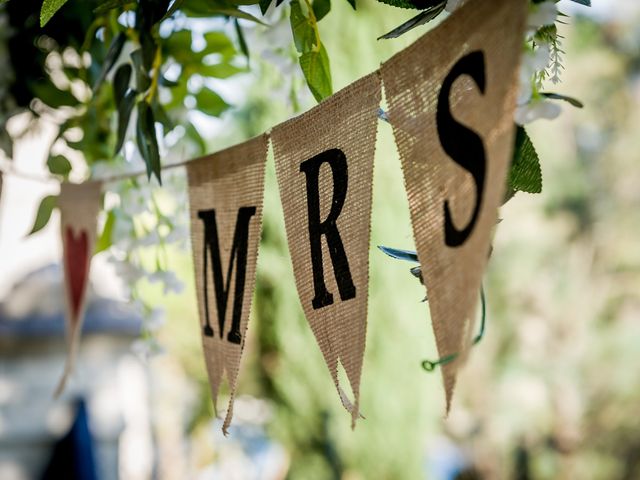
73, 456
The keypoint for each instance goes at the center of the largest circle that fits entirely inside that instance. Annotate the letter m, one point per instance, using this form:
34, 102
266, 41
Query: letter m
222, 285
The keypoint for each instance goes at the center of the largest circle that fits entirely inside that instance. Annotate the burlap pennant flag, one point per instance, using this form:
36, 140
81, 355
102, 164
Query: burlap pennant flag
324, 164
451, 97
226, 193
79, 208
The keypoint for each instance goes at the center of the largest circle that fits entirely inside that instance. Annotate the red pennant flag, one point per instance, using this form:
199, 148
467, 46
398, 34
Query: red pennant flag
79, 207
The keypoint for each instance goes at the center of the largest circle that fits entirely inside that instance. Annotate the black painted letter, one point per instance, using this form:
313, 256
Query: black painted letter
317, 228
238, 258
463, 145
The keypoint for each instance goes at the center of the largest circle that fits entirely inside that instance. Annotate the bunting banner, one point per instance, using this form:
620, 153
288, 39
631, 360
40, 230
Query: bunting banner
226, 194
79, 206
324, 164
451, 98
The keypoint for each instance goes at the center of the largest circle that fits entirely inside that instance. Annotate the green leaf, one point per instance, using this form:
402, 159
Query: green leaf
59, 165
237, 13
556, 96
47, 205
220, 70
110, 59
121, 81
322, 7
352, 3
423, 17
193, 134
49, 9
525, 174
303, 33
210, 102
408, 255
53, 97
142, 75
146, 140
315, 66
218, 42
161, 116
125, 106
104, 242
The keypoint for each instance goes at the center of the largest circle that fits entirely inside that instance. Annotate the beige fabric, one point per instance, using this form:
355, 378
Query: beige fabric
226, 182
346, 121
79, 208
412, 82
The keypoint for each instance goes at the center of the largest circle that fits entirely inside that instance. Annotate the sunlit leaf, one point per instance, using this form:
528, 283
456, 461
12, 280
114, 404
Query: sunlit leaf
525, 174
49, 9
104, 242
317, 72
210, 102
59, 165
304, 35
43, 215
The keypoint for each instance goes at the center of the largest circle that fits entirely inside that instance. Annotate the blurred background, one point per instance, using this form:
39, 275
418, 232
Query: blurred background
551, 392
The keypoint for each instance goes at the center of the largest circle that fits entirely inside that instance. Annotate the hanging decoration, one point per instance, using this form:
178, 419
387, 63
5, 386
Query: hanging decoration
452, 116
324, 163
79, 208
225, 194
451, 99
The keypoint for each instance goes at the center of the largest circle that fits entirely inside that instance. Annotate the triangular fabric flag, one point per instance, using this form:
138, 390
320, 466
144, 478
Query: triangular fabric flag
451, 98
79, 208
324, 164
226, 193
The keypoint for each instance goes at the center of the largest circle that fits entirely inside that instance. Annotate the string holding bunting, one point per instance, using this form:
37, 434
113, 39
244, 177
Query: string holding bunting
324, 164
452, 117
226, 192
79, 206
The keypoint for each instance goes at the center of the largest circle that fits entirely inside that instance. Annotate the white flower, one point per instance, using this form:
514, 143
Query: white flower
169, 279
150, 239
533, 61
179, 233
127, 271
123, 233
542, 14
537, 109
146, 348
156, 319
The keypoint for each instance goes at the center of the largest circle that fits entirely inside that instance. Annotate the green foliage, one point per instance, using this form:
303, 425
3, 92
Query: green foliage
525, 174
59, 165
104, 241
146, 138
45, 209
210, 102
315, 66
49, 8
314, 60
